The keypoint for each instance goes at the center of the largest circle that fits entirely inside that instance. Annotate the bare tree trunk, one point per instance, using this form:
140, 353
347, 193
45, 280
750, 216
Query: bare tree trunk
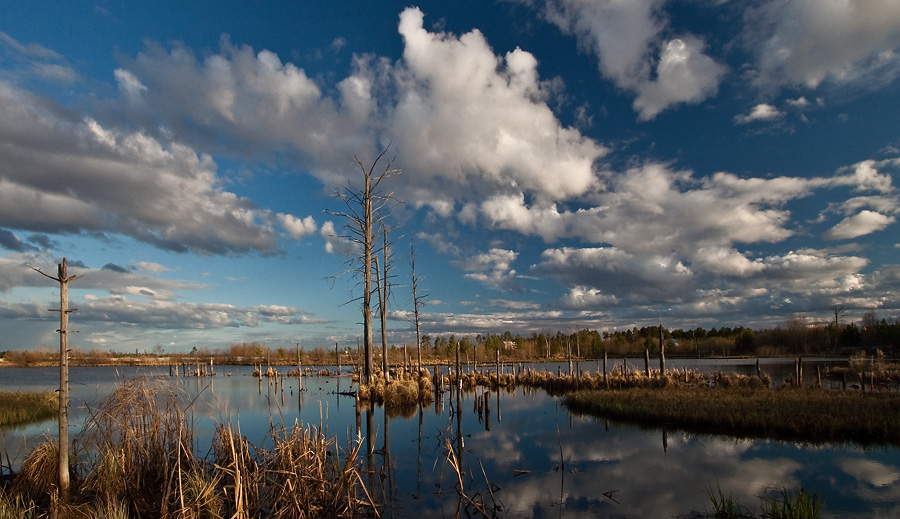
63, 467
367, 277
417, 302
63, 383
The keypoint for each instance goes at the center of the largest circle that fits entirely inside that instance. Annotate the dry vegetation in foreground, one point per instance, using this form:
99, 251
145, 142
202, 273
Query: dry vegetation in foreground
136, 458
788, 413
21, 407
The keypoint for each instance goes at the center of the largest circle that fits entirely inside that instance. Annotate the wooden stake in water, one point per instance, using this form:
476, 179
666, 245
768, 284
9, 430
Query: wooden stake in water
662, 353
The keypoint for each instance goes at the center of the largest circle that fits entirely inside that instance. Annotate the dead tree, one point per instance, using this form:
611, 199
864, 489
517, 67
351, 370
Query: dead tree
366, 208
63, 279
417, 303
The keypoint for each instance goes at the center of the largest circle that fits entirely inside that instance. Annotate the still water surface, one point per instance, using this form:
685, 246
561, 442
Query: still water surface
540, 460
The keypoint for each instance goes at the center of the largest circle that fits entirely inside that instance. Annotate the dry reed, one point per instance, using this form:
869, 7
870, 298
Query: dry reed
137, 460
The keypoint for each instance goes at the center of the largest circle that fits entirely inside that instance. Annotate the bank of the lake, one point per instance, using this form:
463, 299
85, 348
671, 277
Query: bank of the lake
787, 413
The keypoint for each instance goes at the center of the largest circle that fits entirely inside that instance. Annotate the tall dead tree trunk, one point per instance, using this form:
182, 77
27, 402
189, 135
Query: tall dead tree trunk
63, 467
366, 208
417, 302
380, 288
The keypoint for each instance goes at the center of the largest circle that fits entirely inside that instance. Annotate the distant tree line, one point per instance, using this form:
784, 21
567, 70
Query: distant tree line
797, 336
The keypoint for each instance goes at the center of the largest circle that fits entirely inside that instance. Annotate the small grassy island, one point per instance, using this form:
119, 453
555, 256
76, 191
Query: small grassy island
22, 407
796, 414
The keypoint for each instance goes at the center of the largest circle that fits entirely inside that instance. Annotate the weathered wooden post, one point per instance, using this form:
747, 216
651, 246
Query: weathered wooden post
299, 370
605, 377
63, 467
662, 353
647, 362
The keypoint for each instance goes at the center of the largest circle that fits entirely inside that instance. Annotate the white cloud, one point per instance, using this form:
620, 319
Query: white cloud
683, 75
760, 112
466, 121
492, 268
297, 227
866, 176
149, 266
808, 42
32, 50
334, 242
481, 120
624, 36
115, 280
129, 84
865, 222
171, 315
583, 298
115, 181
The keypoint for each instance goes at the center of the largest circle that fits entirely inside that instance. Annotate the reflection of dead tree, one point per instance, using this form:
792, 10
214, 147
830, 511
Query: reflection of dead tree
476, 501
63, 279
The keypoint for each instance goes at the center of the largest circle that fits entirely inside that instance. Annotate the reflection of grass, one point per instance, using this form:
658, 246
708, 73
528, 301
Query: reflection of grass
22, 407
794, 414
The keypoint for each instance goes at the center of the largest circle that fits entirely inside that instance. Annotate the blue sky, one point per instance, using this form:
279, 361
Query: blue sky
565, 164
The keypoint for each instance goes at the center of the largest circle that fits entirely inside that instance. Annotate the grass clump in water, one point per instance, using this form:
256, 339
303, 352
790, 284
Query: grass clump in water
22, 407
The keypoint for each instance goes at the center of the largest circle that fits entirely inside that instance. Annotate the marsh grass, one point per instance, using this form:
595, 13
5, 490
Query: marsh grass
806, 415
777, 504
402, 393
724, 506
786, 505
22, 407
136, 458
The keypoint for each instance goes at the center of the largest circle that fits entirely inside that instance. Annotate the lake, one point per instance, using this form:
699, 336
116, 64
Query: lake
536, 458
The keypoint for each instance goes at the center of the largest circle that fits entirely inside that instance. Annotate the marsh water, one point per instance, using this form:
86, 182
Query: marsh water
524, 452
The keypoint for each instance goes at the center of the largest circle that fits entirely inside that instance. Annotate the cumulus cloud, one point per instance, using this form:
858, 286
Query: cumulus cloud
297, 227
63, 174
626, 36
671, 237
335, 243
149, 266
492, 268
865, 222
482, 119
587, 298
171, 315
809, 42
464, 119
760, 112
